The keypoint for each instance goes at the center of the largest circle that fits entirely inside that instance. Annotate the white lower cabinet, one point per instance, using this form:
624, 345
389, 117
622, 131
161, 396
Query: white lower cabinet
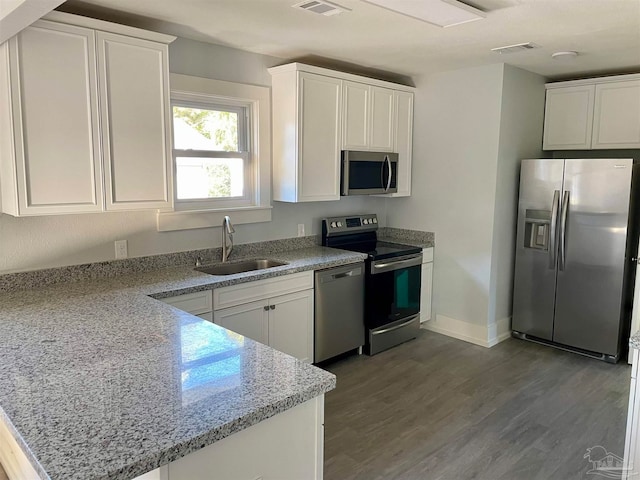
287, 446
427, 284
249, 319
631, 444
277, 312
198, 303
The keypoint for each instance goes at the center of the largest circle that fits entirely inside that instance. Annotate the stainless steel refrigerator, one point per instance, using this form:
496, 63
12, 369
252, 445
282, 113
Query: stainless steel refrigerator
576, 243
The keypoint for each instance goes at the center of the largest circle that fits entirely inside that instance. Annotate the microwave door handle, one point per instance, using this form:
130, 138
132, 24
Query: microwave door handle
389, 179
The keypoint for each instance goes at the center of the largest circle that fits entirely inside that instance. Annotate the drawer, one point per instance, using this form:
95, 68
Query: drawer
194, 303
261, 289
427, 255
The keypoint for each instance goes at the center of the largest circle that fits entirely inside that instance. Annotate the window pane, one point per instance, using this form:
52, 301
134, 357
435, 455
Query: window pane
203, 129
198, 177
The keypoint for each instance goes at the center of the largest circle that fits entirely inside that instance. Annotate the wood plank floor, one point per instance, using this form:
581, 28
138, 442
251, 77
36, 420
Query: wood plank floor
437, 408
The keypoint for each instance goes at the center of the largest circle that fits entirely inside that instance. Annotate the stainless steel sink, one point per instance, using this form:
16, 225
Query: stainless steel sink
239, 267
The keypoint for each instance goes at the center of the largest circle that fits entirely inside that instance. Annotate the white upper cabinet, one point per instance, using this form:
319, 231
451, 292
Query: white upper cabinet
598, 113
84, 117
568, 118
616, 122
306, 137
319, 112
403, 141
356, 116
135, 94
54, 165
368, 117
381, 136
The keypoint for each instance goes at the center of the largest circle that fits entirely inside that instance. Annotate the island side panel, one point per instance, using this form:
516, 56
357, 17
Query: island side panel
287, 446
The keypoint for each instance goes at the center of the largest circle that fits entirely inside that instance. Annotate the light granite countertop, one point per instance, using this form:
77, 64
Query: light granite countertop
100, 381
634, 340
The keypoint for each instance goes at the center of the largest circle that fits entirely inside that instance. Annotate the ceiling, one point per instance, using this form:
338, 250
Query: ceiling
605, 33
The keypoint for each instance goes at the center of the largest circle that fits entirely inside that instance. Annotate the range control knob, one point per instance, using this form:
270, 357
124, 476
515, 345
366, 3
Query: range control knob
375, 220
340, 224
365, 221
333, 224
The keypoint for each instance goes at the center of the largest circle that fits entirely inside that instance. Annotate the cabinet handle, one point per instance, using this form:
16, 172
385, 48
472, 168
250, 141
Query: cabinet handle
266, 308
272, 307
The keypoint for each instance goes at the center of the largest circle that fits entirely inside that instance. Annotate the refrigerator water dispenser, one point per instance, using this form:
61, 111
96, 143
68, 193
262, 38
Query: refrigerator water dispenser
536, 229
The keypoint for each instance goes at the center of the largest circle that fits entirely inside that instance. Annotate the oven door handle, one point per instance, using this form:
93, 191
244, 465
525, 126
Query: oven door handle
396, 264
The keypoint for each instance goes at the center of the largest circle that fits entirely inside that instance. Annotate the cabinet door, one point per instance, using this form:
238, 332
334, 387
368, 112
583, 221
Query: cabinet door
319, 138
404, 141
134, 94
291, 324
250, 320
381, 130
616, 122
355, 116
426, 292
55, 121
568, 118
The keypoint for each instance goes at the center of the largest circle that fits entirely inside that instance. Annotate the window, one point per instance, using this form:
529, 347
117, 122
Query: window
211, 153
221, 153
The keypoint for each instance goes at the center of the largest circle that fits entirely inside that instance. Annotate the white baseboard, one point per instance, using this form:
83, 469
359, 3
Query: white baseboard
483, 335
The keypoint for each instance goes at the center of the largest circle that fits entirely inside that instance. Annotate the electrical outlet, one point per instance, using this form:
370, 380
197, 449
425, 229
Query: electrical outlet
121, 249
301, 229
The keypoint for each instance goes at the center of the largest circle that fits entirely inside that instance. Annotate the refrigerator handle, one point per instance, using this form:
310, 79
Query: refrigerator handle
553, 229
563, 229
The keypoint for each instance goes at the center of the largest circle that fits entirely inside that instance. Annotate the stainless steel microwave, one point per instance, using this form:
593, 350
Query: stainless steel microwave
367, 173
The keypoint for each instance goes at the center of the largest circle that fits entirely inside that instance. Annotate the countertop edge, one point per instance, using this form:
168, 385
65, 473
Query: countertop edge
33, 461
148, 464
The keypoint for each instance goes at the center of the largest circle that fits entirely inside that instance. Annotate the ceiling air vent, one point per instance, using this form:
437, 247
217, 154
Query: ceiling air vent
321, 7
518, 47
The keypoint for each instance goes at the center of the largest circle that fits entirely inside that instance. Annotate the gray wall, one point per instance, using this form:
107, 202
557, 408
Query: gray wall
521, 123
472, 127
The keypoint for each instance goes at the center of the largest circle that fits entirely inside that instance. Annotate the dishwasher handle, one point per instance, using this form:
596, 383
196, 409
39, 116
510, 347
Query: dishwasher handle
330, 276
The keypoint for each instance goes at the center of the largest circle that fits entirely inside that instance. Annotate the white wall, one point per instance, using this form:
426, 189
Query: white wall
40, 242
456, 133
521, 122
472, 126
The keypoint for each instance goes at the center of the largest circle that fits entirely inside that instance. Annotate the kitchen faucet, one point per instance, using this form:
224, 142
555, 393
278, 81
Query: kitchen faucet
227, 229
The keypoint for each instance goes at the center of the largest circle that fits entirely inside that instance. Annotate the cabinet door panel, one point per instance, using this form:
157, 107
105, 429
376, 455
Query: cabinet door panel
617, 115
250, 320
356, 116
426, 291
56, 119
291, 324
135, 116
568, 118
382, 125
404, 141
319, 133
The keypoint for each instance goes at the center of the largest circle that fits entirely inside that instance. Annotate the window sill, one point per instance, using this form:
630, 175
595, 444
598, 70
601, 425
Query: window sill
192, 219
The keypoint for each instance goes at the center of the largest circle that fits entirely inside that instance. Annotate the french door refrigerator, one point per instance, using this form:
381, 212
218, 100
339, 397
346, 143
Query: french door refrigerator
576, 243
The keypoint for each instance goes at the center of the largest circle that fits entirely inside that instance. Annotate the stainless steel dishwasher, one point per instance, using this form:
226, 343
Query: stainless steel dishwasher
339, 310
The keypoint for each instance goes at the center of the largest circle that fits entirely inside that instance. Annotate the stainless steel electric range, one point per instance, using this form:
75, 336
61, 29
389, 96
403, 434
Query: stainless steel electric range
392, 280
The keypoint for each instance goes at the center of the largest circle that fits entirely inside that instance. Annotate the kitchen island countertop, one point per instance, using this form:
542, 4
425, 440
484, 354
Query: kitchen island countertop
100, 381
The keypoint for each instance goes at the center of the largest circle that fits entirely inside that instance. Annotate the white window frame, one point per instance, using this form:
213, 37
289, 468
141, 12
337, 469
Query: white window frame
214, 102
191, 214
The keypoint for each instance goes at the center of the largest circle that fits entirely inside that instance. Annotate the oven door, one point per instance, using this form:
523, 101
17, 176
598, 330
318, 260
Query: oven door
393, 290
